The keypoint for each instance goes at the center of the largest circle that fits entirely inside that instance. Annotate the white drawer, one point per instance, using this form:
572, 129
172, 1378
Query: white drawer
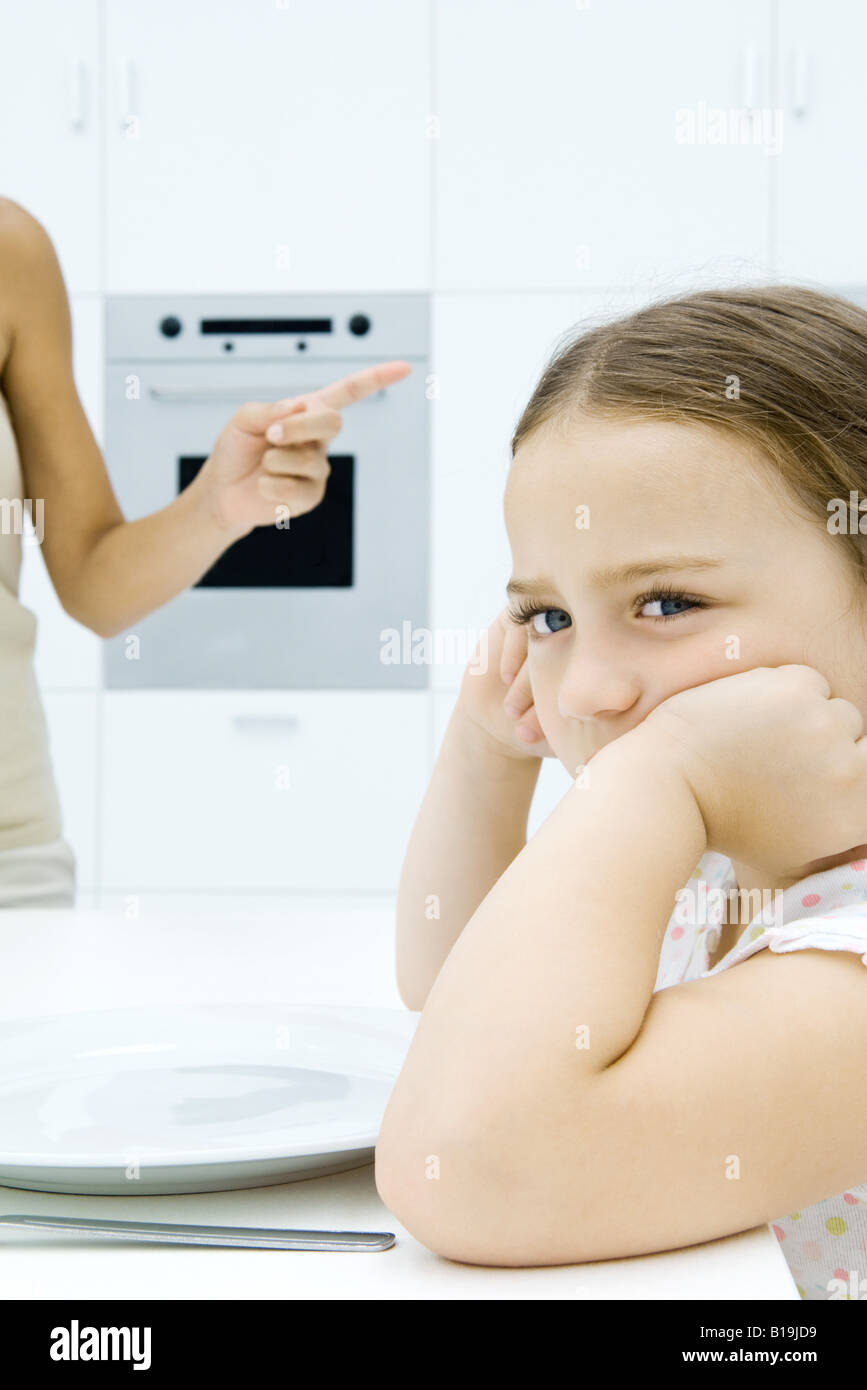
311, 791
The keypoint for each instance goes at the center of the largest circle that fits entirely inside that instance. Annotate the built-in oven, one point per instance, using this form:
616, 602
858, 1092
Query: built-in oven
311, 604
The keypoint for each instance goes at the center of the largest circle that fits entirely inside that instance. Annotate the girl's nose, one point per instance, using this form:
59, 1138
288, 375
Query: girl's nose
591, 689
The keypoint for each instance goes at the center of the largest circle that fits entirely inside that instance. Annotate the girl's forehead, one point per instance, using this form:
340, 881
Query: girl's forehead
681, 477
583, 438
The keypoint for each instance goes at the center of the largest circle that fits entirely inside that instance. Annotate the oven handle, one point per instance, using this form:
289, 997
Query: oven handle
250, 392
265, 723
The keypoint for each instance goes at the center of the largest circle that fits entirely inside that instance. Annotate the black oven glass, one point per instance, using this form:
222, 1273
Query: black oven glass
314, 551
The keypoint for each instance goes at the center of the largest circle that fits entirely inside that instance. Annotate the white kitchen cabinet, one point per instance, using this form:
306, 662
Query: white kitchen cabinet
559, 164
73, 719
273, 147
480, 397
68, 654
312, 791
821, 185
49, 116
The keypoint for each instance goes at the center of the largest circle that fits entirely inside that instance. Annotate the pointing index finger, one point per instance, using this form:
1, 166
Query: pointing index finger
356, 386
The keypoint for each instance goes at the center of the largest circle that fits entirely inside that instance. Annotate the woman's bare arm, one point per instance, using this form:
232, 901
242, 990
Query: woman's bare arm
62, 463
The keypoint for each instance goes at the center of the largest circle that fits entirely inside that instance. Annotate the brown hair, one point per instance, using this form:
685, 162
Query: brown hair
800, 360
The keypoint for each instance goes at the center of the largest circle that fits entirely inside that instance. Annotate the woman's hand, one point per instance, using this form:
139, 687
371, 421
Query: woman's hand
274, 456
778, 768
497, 676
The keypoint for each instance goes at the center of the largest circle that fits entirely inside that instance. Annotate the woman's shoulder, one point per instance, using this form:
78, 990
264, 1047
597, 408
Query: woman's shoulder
20, 231
26, 251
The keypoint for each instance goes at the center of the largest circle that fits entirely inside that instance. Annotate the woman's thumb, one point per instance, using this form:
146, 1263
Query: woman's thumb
255, 416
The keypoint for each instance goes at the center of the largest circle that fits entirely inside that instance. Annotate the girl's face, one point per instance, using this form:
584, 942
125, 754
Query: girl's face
753, 580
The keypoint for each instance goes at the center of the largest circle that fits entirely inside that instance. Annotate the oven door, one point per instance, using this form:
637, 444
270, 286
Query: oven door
299, 606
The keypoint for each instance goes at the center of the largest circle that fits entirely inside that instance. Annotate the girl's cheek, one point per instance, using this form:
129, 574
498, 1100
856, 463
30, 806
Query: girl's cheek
550, 722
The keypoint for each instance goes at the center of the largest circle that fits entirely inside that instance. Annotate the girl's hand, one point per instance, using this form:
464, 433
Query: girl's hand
250, 474
778, 768
497, 675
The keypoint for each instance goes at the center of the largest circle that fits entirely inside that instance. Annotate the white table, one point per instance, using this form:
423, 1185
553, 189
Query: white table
320, 951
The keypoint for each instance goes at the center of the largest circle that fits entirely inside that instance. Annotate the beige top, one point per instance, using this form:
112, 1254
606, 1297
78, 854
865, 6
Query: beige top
29, 808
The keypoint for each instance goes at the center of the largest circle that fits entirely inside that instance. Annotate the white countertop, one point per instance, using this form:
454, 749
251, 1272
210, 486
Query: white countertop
320, 951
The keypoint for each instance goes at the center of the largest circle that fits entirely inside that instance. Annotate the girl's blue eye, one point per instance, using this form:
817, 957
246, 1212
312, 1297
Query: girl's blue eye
665, 600
554, 616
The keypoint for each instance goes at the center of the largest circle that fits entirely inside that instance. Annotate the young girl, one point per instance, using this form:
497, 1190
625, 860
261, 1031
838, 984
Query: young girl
613, 1060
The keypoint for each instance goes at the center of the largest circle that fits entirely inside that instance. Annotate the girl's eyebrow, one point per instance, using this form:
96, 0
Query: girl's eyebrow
609, 575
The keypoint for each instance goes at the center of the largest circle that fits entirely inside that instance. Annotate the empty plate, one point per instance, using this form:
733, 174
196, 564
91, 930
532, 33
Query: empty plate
196, 1098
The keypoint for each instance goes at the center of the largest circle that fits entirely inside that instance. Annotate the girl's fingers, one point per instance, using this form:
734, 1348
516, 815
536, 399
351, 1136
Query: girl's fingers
850, 716
529, 729
519, 696
514, 651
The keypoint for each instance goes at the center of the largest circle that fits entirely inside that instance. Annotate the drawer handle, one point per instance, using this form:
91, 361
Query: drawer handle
265, 723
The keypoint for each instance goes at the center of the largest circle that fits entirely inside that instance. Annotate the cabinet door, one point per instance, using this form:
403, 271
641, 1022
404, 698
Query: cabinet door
49, 152
267, 147
308, 792
821, 185
578, 145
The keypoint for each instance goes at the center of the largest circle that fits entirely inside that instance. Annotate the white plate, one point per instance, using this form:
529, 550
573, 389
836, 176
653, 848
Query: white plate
201, 1098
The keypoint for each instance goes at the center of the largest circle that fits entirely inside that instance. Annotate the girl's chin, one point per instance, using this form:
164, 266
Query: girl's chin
573, 767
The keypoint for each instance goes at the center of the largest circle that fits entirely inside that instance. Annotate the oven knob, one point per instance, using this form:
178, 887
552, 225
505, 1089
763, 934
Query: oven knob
170, 326
359, 324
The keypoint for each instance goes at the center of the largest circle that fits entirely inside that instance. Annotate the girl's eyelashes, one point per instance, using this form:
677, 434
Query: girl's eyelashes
524, 612
666, 593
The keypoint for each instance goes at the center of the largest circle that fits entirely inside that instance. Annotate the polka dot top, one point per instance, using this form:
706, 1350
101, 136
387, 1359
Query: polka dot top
825, 1245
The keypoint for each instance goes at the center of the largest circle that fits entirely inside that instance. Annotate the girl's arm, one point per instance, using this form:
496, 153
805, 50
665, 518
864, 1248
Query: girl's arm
552, 1107
471, 825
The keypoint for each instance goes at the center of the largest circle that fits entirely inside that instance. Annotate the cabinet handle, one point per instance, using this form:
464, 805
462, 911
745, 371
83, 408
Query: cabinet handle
128, 105
800, 70
76, 94
749, 76
265, 723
